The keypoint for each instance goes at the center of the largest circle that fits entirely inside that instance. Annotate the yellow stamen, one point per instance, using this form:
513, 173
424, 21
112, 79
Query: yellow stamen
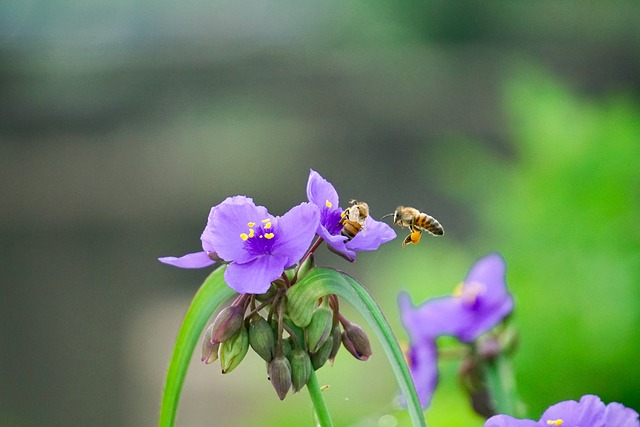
267, 225
244, 236
251, 232
251, 224
557, 422
457, 291
328, 204
268, 236
266, 220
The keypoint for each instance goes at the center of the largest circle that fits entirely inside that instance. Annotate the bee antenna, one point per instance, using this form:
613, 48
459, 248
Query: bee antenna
391, 214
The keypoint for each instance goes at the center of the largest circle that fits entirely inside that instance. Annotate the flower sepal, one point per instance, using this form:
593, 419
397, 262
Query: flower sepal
233, 350
320, 357
319, 329
261, 337
227, 323
279, 370
300, 368
356, 342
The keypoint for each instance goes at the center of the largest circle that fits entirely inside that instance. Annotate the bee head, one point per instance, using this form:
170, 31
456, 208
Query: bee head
395, 214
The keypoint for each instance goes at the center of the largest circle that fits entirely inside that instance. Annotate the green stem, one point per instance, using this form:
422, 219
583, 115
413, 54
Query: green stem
322, 412
502, 386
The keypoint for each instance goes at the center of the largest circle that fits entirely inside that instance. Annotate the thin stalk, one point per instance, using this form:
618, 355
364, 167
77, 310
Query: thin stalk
322, 412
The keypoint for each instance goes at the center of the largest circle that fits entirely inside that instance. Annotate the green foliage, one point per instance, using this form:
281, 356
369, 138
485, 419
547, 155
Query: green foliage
213, 292
563, 211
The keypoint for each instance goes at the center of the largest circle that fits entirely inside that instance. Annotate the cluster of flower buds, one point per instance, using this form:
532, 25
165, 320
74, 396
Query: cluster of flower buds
486, 361
290, 352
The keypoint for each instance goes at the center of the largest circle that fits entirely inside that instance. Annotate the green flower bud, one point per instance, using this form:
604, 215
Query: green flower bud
319, 330
319, 358
233, 350
300, 368
290, 273
287, 346
336, 337
209, 349
279, 370
262, 338
307, 265
227, 323
271, 292
356, 341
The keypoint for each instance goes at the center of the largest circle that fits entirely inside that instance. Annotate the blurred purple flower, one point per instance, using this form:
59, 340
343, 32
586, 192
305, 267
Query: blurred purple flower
477, 306
321, 193
482, 301
589, 412
257, 245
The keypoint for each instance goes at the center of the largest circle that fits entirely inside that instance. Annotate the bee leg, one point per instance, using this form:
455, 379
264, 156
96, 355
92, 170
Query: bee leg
415, 237
407, 240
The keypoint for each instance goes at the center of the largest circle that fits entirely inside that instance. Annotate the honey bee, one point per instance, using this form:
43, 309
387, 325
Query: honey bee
417, 222
353, 219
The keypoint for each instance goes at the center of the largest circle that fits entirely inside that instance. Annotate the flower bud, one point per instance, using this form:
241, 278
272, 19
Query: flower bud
279, 370
227, 323
319, 358
233, 350
262, 338
336, 337
300, 368
319, 330
209, 349
271, 292
290, 273
287, 346
356, 342
307, 265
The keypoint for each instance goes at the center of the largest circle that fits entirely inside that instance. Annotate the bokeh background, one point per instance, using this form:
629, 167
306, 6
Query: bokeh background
515, 123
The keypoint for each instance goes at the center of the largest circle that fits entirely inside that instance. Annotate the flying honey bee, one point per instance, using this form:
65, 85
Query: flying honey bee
417, 222
353, 219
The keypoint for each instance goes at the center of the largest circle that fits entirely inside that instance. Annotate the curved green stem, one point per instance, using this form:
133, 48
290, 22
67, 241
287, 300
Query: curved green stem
322, 412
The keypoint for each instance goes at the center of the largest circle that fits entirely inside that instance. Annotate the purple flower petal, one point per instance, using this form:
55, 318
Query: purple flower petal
435, 317
472, 324
375, 234
254, 277
423, 362
295, 231
229, 222
320, 191
424, 324
193, 260
508, 421
589, 412
490, 272
618, 415
484, 298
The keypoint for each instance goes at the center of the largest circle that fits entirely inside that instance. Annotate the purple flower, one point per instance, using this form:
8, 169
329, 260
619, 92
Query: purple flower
482, 301
257, 245
422, 358
321, 193
476, 307
589, 412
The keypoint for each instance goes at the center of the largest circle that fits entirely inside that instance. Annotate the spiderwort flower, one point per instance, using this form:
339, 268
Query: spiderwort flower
257, 245
477, 306
590, 411
321, 193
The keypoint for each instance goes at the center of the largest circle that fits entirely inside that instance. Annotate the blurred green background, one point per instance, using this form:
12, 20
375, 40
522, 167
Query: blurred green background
515, 123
